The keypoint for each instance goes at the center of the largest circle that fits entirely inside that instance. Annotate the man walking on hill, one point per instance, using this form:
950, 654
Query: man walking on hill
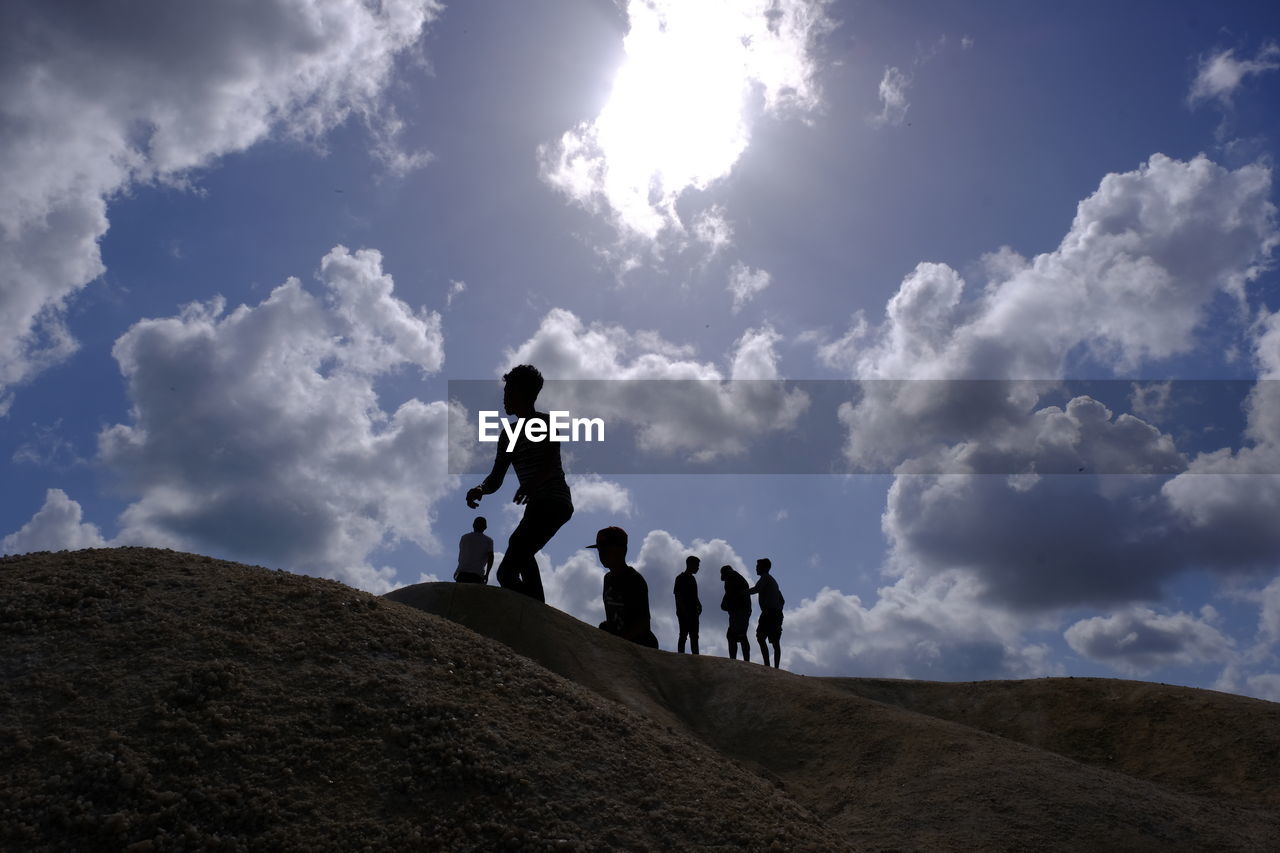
626, 594
771, 601
737, 603
475, 554
688, 607
543, 490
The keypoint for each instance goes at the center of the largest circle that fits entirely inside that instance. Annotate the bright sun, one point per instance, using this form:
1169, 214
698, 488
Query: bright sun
678, 115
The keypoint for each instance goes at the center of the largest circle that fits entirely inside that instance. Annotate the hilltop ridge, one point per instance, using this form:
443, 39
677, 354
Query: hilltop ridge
155, 700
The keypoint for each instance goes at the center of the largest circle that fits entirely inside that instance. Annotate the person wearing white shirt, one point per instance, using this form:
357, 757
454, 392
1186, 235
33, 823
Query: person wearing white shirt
475, 554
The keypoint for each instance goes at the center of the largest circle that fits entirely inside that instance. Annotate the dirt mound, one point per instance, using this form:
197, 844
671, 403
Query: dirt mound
155, 700
899, 765
1199, 741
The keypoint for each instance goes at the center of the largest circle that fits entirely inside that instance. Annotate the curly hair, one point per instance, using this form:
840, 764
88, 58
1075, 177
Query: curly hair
525, 378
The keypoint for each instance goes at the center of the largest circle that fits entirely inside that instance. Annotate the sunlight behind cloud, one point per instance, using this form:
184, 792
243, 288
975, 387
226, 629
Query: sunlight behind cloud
682, 105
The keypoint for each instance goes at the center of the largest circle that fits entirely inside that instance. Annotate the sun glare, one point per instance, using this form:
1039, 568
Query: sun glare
679, 115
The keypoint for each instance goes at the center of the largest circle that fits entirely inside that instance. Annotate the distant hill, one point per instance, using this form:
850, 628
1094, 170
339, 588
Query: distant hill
153, 700
1047, 764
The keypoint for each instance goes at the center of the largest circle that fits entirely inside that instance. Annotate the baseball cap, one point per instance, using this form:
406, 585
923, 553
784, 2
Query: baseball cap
608, 536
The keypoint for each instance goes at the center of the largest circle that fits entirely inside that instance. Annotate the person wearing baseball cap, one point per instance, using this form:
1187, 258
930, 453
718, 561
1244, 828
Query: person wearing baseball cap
626, 594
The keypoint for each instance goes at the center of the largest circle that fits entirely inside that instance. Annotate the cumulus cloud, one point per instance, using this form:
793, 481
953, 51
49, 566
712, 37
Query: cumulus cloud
695, 79
745, 283
1221, 74
593, 493
1265, 686
714, 416
1129, 285
257, 433
1140, 640
57, 526
1269, 621
935, 629
1130, 282
97, 99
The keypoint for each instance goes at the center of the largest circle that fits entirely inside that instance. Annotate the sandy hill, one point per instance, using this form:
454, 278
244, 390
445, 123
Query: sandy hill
153, 700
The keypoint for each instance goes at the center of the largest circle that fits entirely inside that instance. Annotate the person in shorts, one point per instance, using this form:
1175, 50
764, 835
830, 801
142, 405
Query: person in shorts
769, 626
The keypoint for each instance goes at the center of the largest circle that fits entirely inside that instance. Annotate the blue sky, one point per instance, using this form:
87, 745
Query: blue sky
244, 248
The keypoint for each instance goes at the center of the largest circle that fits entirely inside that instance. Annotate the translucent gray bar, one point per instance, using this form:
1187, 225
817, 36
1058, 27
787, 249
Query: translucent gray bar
1006, 427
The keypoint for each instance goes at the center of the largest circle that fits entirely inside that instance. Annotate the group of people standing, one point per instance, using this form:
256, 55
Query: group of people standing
548, 504
737, 603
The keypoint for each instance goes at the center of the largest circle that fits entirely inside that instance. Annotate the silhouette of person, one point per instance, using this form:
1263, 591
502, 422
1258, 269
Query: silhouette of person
475, 554
543, 490
688, 607
626, 594
737, 603
769, 626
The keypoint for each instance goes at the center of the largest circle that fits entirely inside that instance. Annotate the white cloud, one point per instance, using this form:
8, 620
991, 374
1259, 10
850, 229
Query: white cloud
745, 283
683, 104
97, 99
1129, 284
456, 288
1265, 686
1231, 497
713, 229
257, 434
1140, 640
893, 98
938, 629
1221, 74
57, 526
713, 417
895, 82
1269, 620
593, 493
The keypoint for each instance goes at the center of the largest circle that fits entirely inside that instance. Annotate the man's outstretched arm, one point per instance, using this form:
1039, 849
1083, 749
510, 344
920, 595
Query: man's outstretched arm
493, 482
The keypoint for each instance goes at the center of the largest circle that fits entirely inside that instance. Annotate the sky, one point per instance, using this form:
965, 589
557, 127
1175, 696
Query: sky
1005, 270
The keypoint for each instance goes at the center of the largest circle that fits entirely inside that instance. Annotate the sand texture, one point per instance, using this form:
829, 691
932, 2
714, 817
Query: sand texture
153, 700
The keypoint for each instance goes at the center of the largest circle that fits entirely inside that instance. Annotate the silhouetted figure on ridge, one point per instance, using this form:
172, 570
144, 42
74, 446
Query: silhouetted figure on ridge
688, 607
543, 490
626, 594
769, 627
475, 554
737, 603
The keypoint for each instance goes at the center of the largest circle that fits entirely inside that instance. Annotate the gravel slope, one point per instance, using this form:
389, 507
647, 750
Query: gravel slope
154, 700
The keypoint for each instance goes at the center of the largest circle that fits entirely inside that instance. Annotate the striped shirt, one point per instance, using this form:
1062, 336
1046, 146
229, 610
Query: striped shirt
537, 465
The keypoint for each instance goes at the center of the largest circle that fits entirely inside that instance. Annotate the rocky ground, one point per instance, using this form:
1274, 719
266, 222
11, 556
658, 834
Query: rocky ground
153, 700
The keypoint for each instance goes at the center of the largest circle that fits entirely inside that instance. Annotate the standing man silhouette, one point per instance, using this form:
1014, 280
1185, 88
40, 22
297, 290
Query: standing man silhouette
769, 627
543, 490
626, 594
475, 554
737, 603
688, 607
